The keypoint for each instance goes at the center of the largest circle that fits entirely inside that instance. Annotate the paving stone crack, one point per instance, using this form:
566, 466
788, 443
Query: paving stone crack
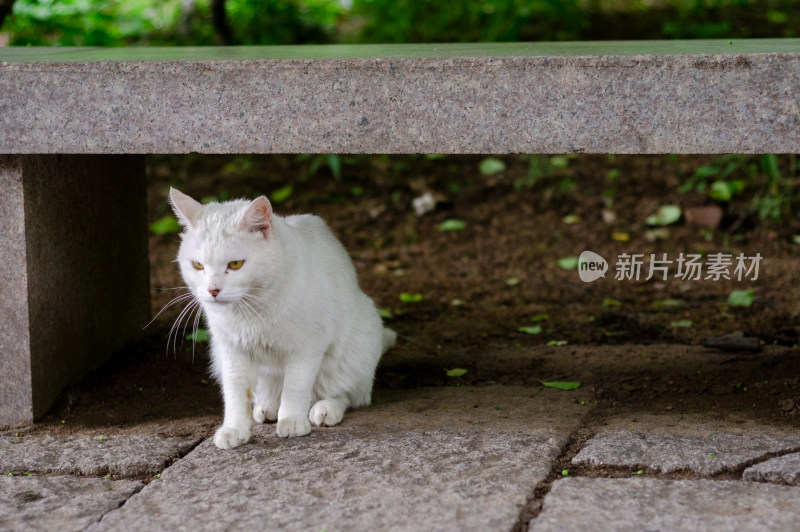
576, 441
632, 470
121, 504
146, 481
171, 461
761, 459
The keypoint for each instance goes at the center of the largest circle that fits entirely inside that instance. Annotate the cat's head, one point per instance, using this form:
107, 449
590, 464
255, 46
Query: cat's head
228, 251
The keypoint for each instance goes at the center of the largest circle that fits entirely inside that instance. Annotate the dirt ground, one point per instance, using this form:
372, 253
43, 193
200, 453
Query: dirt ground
632, 344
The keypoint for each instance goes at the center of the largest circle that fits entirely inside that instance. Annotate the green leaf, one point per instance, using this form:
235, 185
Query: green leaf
491, 166
535, 329
770, 164
385, 313
741, 298
405, 297
452, 225
561, 385
666, 215
706, 171
565, 472
335, 164
282, 194
667, 303
725, 190
608, 303
557, 343
165, 226
201, 335
681, 323
559, 161
540, 317
456, 372
568, 263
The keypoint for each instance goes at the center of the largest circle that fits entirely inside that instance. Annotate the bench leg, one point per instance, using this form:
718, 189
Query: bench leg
74, 271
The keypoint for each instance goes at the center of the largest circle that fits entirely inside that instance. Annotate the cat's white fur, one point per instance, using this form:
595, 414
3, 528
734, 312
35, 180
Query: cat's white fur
291, 328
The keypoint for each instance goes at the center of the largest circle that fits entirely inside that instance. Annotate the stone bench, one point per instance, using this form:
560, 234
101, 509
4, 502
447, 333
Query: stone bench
75, 123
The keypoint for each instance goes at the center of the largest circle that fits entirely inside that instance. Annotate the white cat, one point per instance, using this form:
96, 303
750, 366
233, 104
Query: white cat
289, 324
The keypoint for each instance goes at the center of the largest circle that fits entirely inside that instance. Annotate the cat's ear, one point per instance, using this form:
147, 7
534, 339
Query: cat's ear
258, 217
186, 209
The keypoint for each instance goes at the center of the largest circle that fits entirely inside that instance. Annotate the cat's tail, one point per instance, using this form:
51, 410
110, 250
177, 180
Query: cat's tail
389, 338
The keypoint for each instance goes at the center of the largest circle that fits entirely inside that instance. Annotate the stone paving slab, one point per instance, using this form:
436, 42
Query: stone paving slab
59, 503
700, 444
121, 455
781, 470
430, 459
600, 504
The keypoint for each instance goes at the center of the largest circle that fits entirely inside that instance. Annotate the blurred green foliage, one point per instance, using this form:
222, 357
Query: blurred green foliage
283, 21
189, 22
169, 22
468, 20
88, 22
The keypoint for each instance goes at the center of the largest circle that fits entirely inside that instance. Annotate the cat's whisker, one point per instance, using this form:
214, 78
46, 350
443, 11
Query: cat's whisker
173, 301
250, 301
189, 318
243, 302
262, 301
238, 306
194, 330
175, 329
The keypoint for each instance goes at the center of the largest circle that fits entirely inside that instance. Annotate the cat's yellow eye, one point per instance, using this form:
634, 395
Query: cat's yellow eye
196, 265
235, 264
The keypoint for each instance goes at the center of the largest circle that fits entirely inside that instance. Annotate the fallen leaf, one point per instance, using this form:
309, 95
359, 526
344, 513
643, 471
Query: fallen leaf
741, 298
452, 225
666, 215
568, 263
405, 297
560, 385
491, 166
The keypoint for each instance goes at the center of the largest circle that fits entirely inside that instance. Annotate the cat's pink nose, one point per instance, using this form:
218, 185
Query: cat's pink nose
213, 291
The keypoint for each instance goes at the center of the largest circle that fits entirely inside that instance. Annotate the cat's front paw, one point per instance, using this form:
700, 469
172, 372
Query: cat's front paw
265, 413
328, 412
229, 437
292, 426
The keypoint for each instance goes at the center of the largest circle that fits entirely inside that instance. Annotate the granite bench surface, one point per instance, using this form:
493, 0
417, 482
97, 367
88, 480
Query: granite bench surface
595, 97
